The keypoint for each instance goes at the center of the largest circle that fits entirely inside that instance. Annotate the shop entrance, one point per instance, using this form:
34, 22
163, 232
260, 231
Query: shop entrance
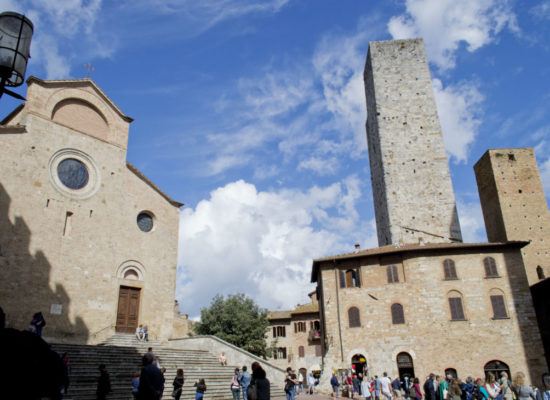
359, 364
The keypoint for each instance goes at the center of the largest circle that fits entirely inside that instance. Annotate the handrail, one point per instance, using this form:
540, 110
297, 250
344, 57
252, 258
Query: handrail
102, 329
232, 346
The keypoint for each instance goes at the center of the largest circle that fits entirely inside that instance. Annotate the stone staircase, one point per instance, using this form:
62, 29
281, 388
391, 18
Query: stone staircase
122, 356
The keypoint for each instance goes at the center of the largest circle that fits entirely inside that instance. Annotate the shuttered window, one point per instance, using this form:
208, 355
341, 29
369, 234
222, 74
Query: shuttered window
397, 315
350, 278
393, 276
301, 352
279, 331
449, 269
299, 327
457, 312
353, 316
490, 267
499, 309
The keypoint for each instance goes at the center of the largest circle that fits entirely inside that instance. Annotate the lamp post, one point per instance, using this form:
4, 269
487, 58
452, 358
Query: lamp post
15, 41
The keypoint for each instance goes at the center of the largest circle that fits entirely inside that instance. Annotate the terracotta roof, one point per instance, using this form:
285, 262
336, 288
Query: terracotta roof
155, 187
278, 315
306, 309
410, 248
80, 82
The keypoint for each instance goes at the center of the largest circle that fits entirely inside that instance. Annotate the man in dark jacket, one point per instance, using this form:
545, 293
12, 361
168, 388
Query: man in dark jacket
429, 388
151, 381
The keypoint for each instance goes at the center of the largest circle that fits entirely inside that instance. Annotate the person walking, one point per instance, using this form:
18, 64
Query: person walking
201, 388
178, 384
135, 385
244, 380
235, 385
310, 383
290, 384
417, 394
151, 382
523, 391
103, 383
365, 389
385, 384
335, 384
260, 382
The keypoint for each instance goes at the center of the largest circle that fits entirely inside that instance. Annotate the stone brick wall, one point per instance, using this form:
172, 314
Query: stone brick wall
412, 189
64, 252
514, 205
429, 336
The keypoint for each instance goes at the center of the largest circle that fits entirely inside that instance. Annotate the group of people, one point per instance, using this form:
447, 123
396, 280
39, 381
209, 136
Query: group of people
253, 386
438, 388
295, 384
142, 333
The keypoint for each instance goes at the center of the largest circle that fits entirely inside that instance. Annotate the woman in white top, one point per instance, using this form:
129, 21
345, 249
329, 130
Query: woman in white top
365, 388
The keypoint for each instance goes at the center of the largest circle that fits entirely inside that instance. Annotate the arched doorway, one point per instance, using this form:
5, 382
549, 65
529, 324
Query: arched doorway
359, 364
496, 367
451, 372
303, 383
405, 365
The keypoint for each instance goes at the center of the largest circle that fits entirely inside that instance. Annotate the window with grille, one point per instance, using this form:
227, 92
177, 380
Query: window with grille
350, 278
318, 352
279, 331
457, 312
449, 269
490, 267
397, 315
301, 352
393, 276
499, 309
353, 316
299, 327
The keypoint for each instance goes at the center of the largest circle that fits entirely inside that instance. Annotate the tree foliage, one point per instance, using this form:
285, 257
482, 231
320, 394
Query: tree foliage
237, 320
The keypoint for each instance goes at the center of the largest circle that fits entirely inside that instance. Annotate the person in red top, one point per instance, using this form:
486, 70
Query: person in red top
417, 391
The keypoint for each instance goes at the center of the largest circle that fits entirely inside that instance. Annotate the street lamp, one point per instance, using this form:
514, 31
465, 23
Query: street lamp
15, 41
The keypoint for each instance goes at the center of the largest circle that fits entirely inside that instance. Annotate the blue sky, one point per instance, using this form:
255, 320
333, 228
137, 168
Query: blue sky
252, 113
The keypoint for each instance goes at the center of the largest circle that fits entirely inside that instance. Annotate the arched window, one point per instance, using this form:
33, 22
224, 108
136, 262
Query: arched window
455, 306
301, 352
397, 315
490, 267
449, 269
498, 304
452, 372
391, 271
496, 367
353, 316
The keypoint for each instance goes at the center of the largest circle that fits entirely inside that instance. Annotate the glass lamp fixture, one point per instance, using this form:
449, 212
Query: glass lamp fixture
15, 41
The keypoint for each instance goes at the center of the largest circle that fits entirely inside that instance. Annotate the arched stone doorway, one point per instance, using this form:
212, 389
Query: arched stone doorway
359, 364
496, 367
405, 365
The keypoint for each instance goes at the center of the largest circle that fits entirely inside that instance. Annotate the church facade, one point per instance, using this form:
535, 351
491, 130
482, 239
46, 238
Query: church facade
424, 301
85, 237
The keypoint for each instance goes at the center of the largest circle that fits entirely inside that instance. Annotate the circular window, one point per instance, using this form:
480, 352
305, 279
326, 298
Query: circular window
145, 222
73, 173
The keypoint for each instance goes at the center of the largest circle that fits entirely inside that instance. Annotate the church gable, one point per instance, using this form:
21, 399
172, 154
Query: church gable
80, 105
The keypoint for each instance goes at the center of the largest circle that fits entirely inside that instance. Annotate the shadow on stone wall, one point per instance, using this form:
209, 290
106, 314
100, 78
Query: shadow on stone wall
25, 282
525, 313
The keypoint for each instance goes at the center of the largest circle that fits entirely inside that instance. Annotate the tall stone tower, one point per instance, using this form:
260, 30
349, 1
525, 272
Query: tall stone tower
412, 189
514, 206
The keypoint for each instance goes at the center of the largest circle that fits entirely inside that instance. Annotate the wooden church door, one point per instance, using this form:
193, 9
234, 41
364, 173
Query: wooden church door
128, 309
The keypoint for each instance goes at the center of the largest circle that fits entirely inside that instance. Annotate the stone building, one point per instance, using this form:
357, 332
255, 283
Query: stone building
424, 301
295, 337
85, 237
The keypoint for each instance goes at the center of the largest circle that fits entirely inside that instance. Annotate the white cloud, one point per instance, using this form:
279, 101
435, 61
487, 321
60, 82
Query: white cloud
262, 243
445, 24
471, 222
541, 10
459, 112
